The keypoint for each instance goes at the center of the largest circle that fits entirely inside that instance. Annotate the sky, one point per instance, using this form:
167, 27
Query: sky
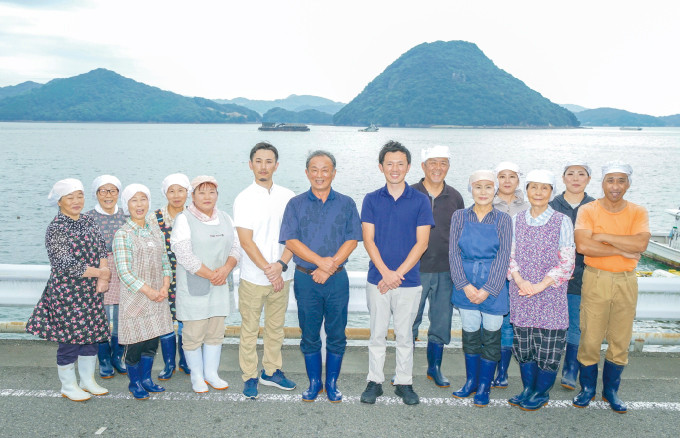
597, 53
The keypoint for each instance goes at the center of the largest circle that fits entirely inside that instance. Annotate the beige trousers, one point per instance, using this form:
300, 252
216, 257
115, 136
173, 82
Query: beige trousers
608, 302
251, 299
203, 331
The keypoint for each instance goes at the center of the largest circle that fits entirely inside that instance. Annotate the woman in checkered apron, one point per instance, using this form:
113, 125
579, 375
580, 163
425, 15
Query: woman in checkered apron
145, 273
541, 264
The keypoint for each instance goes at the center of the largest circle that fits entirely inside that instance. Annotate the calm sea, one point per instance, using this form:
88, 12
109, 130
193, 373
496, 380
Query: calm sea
35, 155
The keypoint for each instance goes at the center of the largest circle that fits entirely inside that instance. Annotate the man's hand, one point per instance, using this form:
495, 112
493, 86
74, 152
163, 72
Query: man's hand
277, 284
320, 276
272, 271
392, 279
327, 264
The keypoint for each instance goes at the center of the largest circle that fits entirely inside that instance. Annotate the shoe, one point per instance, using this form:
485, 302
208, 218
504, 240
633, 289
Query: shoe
528, 372
69, 385
570, 367
134, 373
105, 366
611, 379
195, 362
147, 383
182, 360
313, 366
250, 388
408, 396
86, 371
333, 365
434, 362
278, 379
117, 352
486, 371
541, 393
501, 380
168, 349
371, 393
211, 363
472, 374
588, 380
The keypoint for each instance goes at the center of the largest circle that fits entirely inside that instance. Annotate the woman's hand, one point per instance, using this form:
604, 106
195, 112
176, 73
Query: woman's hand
102, 286
219, 276
526, 288
482, 295
104, 273
471, 293
152, 294
164, 292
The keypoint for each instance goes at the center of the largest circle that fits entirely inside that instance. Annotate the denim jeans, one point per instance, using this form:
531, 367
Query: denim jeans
472, 320
112, 314
437, 289
574, 331
506, 332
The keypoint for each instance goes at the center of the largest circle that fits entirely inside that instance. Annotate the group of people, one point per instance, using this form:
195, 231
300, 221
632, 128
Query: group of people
532, 275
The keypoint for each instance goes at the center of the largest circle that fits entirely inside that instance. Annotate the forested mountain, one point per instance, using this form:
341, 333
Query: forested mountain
280, 115
290, 103
617, 117
15, 90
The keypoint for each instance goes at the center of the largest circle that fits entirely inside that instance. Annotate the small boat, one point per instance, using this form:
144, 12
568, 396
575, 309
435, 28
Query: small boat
630, 128
371, 128
665, 247
268, 126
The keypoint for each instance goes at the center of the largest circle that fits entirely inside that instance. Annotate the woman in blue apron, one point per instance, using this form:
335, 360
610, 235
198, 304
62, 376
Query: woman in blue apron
479, 252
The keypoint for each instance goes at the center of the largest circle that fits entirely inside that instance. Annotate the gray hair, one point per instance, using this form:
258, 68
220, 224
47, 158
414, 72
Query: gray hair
319, 153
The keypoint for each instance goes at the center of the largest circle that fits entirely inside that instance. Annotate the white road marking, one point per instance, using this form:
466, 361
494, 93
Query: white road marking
100, 431
295, 398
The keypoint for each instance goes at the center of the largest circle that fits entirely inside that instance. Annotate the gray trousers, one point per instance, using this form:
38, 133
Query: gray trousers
437, 288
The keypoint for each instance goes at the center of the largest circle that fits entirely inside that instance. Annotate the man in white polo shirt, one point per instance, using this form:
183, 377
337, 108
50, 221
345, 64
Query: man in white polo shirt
265, 274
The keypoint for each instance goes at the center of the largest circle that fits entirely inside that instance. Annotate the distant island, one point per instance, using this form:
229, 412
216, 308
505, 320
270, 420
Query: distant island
292, 103
618, 117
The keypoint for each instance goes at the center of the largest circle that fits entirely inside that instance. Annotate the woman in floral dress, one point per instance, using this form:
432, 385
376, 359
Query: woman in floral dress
71, 309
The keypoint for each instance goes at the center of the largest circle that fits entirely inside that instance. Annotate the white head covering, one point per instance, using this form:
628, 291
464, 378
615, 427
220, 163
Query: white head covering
176, 178
63, 188
508, 165
618, 167
482, 175
130, 191
542, 176
435, 152
577, 163
104, 179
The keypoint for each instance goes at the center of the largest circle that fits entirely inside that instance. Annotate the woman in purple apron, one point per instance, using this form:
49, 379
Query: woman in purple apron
479, 251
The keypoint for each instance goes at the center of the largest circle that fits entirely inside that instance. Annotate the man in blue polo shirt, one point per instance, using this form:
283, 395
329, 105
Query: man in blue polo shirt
396, 222
321, 227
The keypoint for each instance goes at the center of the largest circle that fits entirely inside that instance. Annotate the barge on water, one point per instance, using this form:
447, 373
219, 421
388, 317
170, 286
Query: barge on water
268, 126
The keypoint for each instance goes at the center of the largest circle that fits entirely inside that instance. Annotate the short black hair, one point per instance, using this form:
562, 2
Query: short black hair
267, 147
393, 146
319, 153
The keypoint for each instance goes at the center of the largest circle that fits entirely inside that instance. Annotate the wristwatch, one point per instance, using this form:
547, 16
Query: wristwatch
284, 267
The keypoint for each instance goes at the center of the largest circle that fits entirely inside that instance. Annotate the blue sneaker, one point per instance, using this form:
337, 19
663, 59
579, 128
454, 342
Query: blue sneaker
250, 388
277, 379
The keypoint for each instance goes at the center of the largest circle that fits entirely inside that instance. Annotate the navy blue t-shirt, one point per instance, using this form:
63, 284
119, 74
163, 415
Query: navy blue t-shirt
395, 224
322, 226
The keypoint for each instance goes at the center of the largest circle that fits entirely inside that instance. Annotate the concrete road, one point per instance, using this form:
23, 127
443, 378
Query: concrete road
31, 404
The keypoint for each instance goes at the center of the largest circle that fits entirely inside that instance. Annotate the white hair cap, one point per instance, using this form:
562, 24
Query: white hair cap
618, 167
579, 164
435, 152
64, 187
130, 191
507, 165
544, 177
176, 178
482, 175
104, 179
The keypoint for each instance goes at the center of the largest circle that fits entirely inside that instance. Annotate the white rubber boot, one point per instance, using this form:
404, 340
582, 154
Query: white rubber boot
211, 362
195, 361
69, 385
86, 370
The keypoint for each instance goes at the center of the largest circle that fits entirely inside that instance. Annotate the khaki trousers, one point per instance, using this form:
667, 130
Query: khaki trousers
203, 331
251, 299
608, 302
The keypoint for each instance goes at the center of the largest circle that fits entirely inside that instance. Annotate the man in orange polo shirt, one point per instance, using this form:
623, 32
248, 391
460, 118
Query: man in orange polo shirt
612, 233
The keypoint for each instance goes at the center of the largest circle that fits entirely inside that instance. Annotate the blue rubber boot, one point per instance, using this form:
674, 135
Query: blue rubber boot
588, 380
486, 371
528, 371
313, 365
541, 394
134, 373
434, 362
501, 380
472, 375
611, 379
147, 383
169, 349
333, 364
105, 366
182, 360
570, 367
117, 351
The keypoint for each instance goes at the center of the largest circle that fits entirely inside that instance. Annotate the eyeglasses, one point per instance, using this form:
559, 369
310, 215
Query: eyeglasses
112, 192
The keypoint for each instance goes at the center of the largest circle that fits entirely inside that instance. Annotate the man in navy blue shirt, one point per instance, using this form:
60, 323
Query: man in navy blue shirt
321, 227
396, 221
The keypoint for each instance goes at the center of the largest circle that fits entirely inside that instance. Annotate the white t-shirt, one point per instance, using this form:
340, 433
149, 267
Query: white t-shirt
261, 210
